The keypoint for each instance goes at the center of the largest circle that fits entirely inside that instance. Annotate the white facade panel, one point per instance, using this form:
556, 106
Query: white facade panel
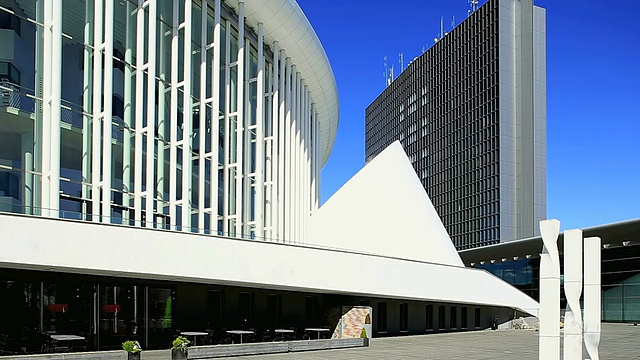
260, 264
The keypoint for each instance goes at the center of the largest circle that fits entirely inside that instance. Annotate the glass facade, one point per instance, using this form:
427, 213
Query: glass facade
620, 280
156, 114
621, 284
523, 274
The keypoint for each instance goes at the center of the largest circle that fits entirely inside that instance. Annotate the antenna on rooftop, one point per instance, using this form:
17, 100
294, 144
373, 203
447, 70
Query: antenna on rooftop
386, 72
453, 22
474, 6
401, 56
441, 27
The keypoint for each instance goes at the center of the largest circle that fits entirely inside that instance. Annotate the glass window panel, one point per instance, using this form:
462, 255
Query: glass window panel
253, 94
253, 63
234, 46
233, 89
233, 147
163, 50
181, 54
232, 191
210, 21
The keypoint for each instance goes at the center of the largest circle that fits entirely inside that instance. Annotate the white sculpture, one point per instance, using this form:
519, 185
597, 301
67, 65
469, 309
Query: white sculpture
549, 314
592, 296
573, 289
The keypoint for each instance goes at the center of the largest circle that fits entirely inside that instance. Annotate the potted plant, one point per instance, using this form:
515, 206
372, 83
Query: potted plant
365, 337
179, 348
133, 349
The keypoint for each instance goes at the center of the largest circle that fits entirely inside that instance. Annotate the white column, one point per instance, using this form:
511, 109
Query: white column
107, 111
127, 114
150, 102
592, 296
297, 160
294, 164
573, 289
227, 135
288, 156
203, 117
307, 159
87, 73
314, 159
318, 159
41, 111
97, 112
173, 145
187, 119
137, 153
163, 65
301, 163
549, 313
240, 188
26, 188
215, 117
45, 132
282, 140
260, 155
56, 93
275, 155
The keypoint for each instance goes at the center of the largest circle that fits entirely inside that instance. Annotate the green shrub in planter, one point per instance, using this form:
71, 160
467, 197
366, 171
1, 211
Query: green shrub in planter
133, 349
179, 348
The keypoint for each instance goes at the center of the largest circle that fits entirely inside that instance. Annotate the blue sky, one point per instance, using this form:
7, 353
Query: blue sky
593, 92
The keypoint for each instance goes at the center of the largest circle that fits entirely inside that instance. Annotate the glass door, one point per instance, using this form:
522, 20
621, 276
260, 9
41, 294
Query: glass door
121, 315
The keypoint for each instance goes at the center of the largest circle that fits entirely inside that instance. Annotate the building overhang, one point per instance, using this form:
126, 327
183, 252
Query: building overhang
37, 243
623, 233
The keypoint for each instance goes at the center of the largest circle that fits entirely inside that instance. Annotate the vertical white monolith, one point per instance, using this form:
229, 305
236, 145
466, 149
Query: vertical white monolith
549, 314
573, 289
592, 296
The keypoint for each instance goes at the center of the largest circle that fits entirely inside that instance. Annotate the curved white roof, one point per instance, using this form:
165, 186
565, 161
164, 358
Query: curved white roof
284, 21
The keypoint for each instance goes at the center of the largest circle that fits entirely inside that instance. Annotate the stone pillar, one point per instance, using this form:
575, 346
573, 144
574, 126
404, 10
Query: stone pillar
592, 296
549, 314
572, 349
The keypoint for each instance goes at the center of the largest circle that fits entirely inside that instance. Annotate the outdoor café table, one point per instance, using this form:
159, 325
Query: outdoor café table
318, 330
283, 331
240, 332
195, 335
69, 338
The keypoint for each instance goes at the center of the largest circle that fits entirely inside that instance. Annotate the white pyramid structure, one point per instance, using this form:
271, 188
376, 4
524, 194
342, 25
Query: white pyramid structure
384, 210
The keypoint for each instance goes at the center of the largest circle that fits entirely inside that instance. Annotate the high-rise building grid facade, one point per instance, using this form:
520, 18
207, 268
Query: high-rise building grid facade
471, 114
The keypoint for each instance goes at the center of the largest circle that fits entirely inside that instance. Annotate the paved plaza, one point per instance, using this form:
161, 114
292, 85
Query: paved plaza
619, 341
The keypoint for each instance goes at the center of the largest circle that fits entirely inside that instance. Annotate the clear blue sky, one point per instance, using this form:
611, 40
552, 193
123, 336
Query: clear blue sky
593, 92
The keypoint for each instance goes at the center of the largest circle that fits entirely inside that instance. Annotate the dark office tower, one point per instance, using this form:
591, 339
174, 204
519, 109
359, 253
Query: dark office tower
471, 114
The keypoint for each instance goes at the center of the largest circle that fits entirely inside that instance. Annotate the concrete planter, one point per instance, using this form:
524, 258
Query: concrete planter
133, 356
177, 354
278, 347
98, 355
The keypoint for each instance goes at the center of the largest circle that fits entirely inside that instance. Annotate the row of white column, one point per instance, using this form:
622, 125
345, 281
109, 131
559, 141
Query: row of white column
575, 275
287, 170
294, 186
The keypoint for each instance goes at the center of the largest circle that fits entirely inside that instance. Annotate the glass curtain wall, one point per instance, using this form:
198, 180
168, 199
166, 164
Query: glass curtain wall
159, 121
21, 93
